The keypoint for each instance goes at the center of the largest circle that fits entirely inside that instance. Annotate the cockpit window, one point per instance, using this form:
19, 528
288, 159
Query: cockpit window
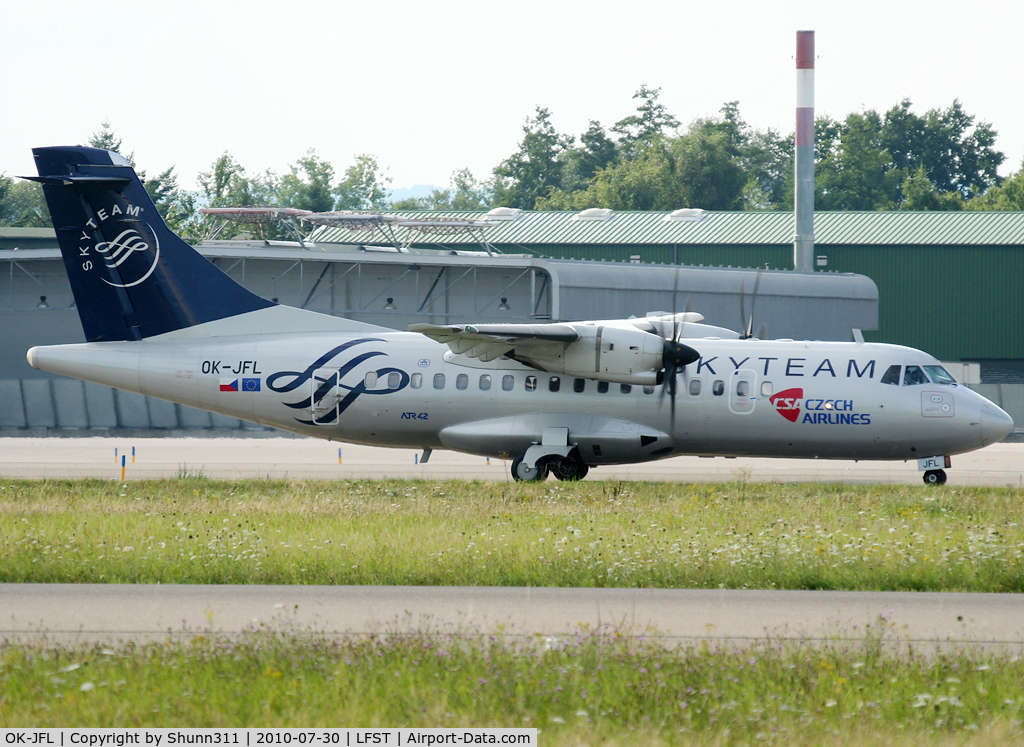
892, 375
914, 376
939, 375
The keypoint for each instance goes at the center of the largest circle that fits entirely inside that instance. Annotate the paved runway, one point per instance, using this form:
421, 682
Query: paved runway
113, 612
998, 465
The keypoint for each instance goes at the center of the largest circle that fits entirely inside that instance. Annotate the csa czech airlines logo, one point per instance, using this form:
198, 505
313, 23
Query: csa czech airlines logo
787, 403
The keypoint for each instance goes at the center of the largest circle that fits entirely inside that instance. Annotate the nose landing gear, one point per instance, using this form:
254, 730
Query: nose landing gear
935, 477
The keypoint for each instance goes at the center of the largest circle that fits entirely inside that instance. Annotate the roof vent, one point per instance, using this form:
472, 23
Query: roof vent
593, 214
691, 215
503, 213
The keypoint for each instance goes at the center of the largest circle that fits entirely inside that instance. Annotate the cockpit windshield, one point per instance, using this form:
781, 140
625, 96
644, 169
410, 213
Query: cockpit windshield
892, 375
914, 376
939, 375
917, 375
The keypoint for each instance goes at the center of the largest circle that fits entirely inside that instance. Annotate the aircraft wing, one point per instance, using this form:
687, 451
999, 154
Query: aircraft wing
489, 341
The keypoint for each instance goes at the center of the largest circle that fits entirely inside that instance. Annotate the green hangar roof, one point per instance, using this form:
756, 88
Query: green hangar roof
509, 227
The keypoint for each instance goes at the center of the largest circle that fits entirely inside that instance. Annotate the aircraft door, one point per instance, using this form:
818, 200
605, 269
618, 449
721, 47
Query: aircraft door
323, 396
742, 395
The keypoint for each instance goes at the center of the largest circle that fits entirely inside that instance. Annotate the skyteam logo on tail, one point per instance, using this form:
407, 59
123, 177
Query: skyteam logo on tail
115, 253
130, 256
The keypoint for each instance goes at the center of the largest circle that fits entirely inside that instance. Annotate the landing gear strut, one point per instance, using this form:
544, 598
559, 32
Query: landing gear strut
935, 477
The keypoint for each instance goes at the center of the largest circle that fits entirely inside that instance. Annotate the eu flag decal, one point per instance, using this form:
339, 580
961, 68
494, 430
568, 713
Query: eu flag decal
229, 385
250, 385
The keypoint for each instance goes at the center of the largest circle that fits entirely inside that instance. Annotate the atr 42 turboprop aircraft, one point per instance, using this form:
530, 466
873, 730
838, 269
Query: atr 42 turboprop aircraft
163, 321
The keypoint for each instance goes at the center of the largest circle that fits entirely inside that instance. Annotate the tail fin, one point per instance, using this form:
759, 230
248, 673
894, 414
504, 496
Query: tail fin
132, 277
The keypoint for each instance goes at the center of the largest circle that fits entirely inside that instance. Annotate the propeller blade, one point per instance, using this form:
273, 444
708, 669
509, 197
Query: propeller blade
743, 312
753, 303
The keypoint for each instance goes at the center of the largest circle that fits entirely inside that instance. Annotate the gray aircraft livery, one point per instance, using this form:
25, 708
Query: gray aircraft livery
161, 320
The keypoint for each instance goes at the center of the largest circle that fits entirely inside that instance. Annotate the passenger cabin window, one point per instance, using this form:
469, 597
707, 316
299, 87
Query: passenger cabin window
370, 380
718, 388
438, 381
694, 387
394, 380
578, 385
939, 375
742, 388
892, 375
602, 387
462, 381
531, 383
625, 388
416, 380
554, 384
485, 382
508, 382
767, 388
648, 390
914, 376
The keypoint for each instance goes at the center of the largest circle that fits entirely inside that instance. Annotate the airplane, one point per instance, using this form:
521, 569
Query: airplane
559, 398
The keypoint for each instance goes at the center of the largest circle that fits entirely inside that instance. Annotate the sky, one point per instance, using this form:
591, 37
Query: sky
432, 87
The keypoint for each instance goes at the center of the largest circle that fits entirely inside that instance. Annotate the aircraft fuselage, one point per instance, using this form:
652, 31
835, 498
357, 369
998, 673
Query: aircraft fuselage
741, 398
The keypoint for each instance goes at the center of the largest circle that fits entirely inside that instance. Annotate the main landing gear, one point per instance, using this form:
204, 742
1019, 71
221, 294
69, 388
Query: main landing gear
935, 477
563, 468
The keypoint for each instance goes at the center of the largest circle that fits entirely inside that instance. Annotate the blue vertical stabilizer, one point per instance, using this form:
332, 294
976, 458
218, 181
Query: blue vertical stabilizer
132, 277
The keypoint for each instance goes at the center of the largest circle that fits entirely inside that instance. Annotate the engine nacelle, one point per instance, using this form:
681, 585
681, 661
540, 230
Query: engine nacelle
624, 355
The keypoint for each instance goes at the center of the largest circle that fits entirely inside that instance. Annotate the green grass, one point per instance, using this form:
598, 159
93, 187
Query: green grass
589, 534
584, 689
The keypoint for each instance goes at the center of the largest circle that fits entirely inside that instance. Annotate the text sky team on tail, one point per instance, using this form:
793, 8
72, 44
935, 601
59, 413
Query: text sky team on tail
163, 321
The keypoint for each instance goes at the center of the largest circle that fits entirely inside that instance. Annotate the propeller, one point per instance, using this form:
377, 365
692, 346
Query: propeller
675, 356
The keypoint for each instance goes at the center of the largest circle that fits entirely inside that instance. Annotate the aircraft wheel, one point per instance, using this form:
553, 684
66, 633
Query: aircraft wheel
935, 477
522, 473
569, 469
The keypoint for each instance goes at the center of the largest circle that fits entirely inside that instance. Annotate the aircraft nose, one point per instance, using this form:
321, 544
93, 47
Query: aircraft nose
995, 424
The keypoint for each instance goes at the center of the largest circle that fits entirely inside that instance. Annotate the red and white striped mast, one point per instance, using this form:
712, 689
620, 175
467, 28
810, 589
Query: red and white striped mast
803, 240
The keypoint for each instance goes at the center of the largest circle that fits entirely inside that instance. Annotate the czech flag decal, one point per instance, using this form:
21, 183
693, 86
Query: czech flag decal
229, 385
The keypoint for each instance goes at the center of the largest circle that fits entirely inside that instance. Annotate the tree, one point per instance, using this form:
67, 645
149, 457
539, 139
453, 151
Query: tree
580, 164
533, 171
955, 154
920, 193
226, 185
308, 185
364, 186
105, 138
650, 121
666, 173
857, 172
1009, 195
22, 204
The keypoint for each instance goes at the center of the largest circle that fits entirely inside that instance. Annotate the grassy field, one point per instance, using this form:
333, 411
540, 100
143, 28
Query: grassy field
591, 534
588, 689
